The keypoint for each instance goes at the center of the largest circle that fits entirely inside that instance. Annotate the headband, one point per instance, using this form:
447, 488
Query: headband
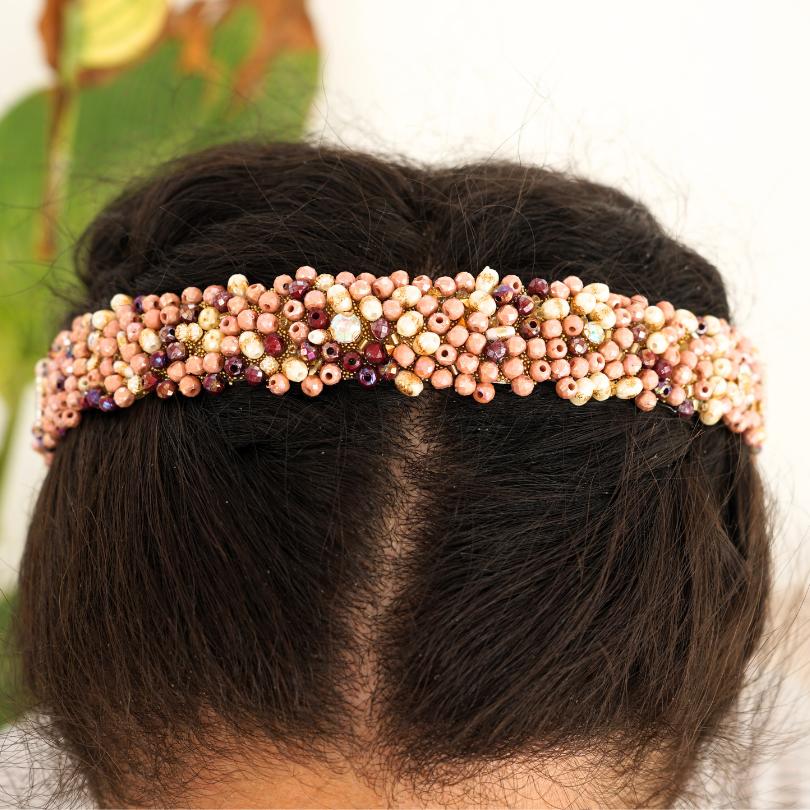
467, 333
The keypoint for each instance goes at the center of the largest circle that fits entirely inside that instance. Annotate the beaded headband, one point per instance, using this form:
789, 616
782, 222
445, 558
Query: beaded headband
467, 333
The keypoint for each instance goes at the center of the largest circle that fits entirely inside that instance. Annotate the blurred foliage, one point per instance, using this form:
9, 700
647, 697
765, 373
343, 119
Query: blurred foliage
8, 701
135, 82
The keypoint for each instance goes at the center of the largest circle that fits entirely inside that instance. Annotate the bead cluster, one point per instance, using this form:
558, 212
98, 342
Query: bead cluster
466, 332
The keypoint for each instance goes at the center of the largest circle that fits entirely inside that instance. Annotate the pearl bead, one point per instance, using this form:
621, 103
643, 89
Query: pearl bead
482, 302
487, 280
686, 319
338, 298
410, 323
554, 309
628, 387
426, 343
408, 383
294, 369
251, 345
601, 385
371, 308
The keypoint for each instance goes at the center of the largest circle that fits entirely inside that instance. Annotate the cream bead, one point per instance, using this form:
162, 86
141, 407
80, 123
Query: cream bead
601, 385
120, 300
584, 302
317, 337
324, 281
657, 342
654, 317
101, 318
686, 319
628, 387
426, 343
238, 284
294, 369
371, 308
599, 291
719, 386
135, 384
269, 365
555, 309
604, 316
208, 318
712, 325
195, 332
212, 340
408, 295
482, 302
585, 389
150, 340
337, 296
251, 345
711, 412
408, 383
120, 367
722, 367
410, 323
181, 331
487, 280
500, 332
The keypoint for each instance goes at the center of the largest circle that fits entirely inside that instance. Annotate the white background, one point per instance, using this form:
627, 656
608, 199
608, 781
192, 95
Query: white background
699, 109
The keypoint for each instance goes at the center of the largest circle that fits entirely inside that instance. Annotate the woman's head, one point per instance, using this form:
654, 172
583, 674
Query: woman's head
430, 588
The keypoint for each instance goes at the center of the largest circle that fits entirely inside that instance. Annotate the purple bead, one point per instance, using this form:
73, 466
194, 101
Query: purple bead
137, 302
317, 319
166, 389
176, 351
529, 329
686, 409
330, 350
107, 403
647, 357
578, 346
524, 305
538, 286
367, 376
663, 390
92, 397
351, 361
298, 289
389, 370
254, 375
150, 380
380, 328
495, 350
234, 366
274, 345
214, 383
221, 300
503, 294
308, 351
639, 332
663, 368
158, 359
189, 312
375, 353
167, 334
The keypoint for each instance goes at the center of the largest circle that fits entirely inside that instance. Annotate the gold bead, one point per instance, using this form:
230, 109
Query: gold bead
628, 387
208, 318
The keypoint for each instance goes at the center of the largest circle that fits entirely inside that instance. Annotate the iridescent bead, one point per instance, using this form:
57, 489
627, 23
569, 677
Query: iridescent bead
165, 389
234, 366
351, 361
308, 351
346, 328
503, 294
149, 380
495, 350
107, 402
158, 359
538, 286
167, 333
274, 345
524, 305
577, 346
176, 351
663, 369
380, 328
214, 383
298, 289
367, 376
317, 318
330, 350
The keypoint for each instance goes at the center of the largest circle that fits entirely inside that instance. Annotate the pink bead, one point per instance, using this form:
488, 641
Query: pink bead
229, 346
266, 323
515, 345
579, 367
359, 289
682, 374
133, 330
151, 319
702, 390
614, 369
330, 374
596, 361
194, 364
150, 302
632, 365
298, 331
465, 281
465, 384
107, 346
391, 309
445, 285
676, 396
111, 329
512, 367
623, 337
453, 308
609, 350
439, 323
400, 278
113, 382
278, 384
168, 299
623, 319
255, 292
306, 273
475, 343
560, 368
556, 347
312, 385
704, 368
513, 281
404, 355
467, 363
672, 355
210, 294
382, 287
488, 371
441, 378
123, 397
559, 290
667, 309
446, 355
522, 385
314, 299
236, 304
270, 301
229, 326
457, 335
170, 316
572, 325
551, 329
566, 387
293, 310
191, 295
646, 400
484, 392
423, 283
574, 283
139, 363
688, 359
427, 305
176, 371
281, 284
424, 366
213, 362
536, 348
506, 315
649, 379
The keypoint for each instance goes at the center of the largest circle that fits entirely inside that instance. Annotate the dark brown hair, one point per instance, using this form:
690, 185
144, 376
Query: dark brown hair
520, 580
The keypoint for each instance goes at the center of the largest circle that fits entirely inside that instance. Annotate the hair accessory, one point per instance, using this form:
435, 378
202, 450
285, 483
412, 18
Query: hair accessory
467, 333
